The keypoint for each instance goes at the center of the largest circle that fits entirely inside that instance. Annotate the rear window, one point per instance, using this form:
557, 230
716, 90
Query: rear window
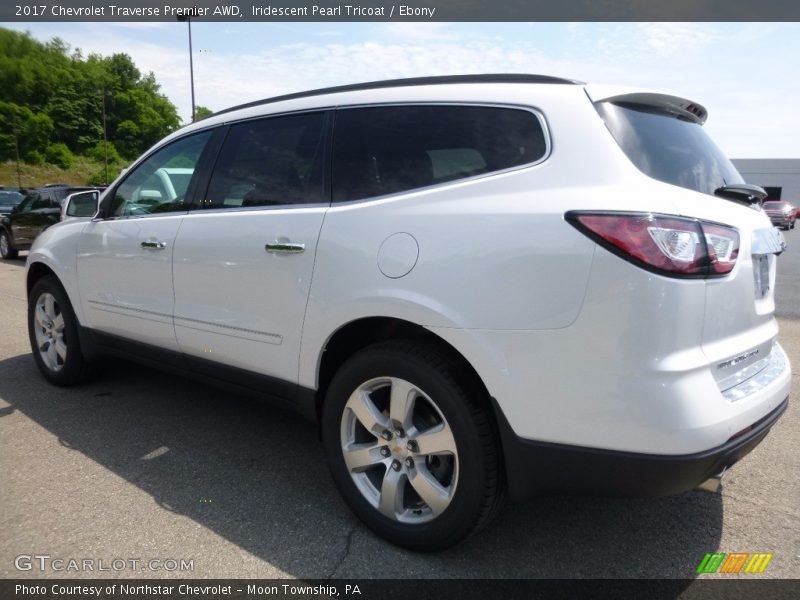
10, 198
390, 149
668, 148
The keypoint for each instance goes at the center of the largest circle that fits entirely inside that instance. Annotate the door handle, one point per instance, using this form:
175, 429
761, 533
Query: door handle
285, 248
153, 245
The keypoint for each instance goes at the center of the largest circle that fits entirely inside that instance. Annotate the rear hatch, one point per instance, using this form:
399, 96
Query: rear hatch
663, 136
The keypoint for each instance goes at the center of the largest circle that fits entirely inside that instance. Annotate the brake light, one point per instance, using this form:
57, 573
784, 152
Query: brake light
665, 244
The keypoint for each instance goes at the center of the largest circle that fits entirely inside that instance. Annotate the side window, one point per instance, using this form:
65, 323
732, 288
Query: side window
27, 204
159, 184
270, 162
389, 149
42, 200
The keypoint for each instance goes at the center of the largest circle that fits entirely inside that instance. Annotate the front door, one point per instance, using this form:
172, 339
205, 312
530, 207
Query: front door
125, 257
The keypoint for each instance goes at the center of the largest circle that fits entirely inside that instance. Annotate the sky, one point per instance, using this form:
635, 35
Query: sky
745, 74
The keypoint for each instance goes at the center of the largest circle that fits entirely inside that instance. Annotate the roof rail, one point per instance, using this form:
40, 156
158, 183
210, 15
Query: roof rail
412, 81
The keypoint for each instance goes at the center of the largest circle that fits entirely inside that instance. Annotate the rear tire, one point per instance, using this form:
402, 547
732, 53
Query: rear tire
437, 479
7, 251
53, 334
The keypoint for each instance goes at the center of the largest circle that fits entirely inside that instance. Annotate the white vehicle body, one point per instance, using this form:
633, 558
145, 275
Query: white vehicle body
575, 346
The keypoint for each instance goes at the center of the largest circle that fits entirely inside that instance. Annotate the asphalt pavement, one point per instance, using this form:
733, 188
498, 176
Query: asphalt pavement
140, 466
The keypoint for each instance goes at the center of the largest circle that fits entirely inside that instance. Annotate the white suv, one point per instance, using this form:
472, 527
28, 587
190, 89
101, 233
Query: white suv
478, 286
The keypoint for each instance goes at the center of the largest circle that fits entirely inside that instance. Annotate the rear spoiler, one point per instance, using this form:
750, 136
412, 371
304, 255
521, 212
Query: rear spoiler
680, 107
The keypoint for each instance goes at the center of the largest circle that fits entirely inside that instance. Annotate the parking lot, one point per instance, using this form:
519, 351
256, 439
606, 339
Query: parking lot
139, 465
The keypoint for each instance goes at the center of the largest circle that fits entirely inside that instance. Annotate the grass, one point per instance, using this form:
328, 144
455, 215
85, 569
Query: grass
81, 172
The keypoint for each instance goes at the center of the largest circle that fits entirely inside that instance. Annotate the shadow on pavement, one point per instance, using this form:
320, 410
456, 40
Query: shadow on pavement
257, 476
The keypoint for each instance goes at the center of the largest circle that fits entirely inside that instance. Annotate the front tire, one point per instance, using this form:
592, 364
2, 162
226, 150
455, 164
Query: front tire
7, 251
53, 334
410, 447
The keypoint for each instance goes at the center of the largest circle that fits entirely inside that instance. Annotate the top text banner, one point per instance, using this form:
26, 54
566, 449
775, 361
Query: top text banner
406, 10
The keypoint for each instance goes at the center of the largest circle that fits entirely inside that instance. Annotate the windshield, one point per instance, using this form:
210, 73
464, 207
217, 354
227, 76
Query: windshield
669, 148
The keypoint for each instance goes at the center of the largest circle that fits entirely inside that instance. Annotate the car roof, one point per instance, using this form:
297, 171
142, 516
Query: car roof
413, 89
408, 82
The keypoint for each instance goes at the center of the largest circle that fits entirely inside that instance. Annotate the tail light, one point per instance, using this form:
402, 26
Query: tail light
664, 244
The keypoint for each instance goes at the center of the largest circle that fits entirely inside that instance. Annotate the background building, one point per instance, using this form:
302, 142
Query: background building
779, 176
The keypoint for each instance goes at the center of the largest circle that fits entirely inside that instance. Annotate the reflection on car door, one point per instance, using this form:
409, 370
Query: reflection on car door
243, 264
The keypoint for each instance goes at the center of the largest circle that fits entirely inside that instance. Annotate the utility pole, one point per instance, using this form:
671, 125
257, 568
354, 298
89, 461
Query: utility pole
16, 150
105, 137
188, 19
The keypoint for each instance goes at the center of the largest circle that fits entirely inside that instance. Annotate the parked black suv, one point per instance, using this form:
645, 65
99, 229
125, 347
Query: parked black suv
40, 209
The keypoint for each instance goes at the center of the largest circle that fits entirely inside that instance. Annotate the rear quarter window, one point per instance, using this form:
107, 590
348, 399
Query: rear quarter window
389, 149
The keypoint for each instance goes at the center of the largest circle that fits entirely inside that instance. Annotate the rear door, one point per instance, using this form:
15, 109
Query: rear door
35, 216
22, 220
125, 258
244, 259
47, 213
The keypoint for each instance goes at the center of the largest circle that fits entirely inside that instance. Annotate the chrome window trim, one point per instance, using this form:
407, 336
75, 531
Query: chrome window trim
266, 207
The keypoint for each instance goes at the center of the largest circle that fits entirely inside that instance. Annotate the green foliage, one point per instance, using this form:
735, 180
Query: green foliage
58, 154
99, 177
22, 129
101, 150
80, 173
34, 157
201, 112
115, 163
51, 95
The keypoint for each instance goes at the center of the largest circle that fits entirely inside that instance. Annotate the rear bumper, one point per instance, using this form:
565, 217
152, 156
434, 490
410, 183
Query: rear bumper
534, 468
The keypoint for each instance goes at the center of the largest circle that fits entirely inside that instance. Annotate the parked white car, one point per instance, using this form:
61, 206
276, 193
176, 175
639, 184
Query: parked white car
478, 286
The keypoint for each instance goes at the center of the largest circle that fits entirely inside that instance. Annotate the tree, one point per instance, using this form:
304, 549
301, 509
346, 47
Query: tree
20, 126
59, 155
201, 112
51, 94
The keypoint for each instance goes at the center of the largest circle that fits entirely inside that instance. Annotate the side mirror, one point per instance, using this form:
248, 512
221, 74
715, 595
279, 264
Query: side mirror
80, 204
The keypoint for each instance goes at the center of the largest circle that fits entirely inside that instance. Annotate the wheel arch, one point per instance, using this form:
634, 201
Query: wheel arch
360, 333
36, 271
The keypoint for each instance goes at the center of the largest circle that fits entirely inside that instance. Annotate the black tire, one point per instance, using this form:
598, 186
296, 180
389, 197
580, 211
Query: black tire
73, 368
478, 488
7, 251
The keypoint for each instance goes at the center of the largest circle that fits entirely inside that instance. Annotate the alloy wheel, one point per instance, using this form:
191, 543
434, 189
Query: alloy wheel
49, 332
399, 450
